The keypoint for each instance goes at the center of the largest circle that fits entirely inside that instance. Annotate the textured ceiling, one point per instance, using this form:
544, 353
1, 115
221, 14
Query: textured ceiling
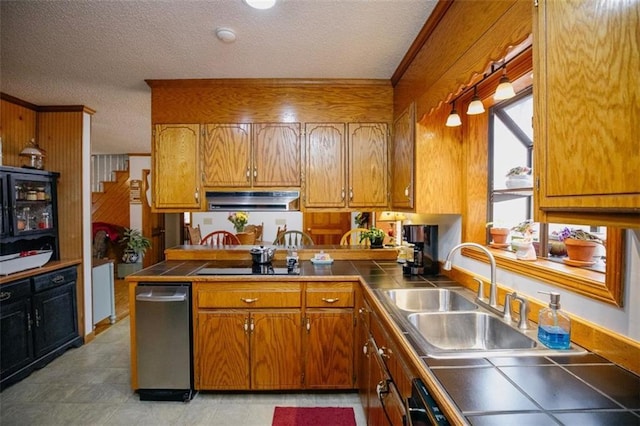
98, 53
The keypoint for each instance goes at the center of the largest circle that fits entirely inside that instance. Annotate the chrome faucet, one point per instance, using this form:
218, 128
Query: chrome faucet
493, 290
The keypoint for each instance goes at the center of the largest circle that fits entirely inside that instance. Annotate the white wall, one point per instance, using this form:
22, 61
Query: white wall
213, 221
625, 320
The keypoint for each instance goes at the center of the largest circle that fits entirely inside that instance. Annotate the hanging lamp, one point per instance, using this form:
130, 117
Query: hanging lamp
476, 106
454, 119
505, 88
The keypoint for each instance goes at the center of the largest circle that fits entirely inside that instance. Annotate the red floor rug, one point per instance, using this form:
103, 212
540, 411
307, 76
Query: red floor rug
314, 416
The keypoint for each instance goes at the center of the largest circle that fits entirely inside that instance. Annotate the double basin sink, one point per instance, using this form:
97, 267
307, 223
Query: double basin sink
449, 325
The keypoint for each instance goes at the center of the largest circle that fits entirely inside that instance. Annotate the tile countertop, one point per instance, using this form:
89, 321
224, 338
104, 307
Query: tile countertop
541, 390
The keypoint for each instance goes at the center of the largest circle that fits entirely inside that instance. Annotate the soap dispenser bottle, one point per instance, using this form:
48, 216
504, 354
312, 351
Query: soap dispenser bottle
554, 326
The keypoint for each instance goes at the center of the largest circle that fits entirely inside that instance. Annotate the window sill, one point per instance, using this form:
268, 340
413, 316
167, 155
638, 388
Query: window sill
583, 281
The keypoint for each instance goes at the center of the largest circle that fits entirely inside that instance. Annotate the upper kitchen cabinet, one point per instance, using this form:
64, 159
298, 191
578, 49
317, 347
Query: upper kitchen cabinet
333, 182
325, 172
368, 165
226, 155
251, 155
402, 152
587, 115
176, 157
276, 154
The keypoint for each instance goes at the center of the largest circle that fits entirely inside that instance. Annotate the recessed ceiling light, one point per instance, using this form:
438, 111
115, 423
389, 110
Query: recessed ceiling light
260, 4
226, 34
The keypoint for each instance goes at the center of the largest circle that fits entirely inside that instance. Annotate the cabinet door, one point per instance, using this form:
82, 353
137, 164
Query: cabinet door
587, 109
276, 350
176, 171
368, 165
325, 184
223, 350
276, 154
4, 208
55, 318
329, 349
402, 162
226, 151
16, 350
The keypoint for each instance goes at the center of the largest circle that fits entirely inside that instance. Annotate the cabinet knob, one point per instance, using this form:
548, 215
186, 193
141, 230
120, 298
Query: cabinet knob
351, 194
249, 300
5, 295
330, 300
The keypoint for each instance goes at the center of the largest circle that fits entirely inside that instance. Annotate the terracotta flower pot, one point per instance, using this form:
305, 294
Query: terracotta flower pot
499, 235
580, 250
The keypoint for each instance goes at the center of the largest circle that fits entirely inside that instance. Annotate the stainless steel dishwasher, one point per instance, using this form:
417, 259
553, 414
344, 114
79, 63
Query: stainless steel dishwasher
163, 342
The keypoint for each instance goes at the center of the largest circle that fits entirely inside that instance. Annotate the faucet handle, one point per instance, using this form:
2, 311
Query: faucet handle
507, 306
480, 293
523, 322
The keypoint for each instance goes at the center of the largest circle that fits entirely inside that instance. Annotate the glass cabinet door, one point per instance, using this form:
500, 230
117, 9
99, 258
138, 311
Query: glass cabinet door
32, 205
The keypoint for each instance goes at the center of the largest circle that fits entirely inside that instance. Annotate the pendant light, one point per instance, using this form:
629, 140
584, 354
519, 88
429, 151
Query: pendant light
505, 88
476, 106
454, 119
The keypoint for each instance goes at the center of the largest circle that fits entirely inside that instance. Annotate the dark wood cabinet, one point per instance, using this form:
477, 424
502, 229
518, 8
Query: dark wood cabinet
29, 217
38, 322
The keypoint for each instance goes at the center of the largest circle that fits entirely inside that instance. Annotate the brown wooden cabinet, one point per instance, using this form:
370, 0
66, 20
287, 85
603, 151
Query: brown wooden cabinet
329, 343
176, 172
402, 159
346, 170
248, 336
226, 155
252, 155
587, 112
325, 169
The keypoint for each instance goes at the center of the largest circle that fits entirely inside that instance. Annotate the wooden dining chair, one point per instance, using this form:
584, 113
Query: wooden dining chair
352, 238
194, 234
221, 238
293, 239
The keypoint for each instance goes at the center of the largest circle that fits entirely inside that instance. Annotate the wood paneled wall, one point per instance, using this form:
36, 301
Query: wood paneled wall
17, 128
253, 101
468, 38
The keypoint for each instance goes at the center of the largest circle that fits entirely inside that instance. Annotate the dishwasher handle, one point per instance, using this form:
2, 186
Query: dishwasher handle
177, 295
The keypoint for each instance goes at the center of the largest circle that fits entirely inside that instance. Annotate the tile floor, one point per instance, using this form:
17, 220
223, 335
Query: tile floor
90, 386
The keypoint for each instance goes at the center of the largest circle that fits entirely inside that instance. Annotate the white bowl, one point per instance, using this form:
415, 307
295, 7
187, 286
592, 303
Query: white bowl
519, 181
13, 263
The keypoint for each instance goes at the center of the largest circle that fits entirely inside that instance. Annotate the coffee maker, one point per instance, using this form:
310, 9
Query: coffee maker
425, 249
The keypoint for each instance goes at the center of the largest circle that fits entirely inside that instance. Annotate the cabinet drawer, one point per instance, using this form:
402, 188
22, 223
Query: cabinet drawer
9, 293
329, 295
283, 297
54, 279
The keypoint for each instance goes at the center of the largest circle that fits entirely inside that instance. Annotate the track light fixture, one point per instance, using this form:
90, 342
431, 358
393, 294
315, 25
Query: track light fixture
476, 106
454, 119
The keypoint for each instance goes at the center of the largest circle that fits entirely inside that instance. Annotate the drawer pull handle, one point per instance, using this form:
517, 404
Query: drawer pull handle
58, 279
249, 300
329, 300
5, 295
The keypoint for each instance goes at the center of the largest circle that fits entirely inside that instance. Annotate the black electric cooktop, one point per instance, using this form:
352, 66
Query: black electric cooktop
220, 268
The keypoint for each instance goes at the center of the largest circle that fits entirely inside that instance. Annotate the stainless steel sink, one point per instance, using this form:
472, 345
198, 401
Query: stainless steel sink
469, 331
429, 300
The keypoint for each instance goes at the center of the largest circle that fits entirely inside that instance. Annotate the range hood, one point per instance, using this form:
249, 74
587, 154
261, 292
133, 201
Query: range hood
253, 200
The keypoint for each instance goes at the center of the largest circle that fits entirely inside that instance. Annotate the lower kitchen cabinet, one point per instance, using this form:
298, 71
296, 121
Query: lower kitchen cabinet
258, 347
38, 317
329, 338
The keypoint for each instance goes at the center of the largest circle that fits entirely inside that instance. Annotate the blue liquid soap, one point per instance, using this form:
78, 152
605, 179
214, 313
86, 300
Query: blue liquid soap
554, 337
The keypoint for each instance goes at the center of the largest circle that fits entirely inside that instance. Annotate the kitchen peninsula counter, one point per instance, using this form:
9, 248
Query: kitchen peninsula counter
500, 390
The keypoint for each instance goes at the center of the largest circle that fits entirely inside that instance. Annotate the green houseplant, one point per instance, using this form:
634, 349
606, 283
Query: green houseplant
135, 244
580, 244
374, 235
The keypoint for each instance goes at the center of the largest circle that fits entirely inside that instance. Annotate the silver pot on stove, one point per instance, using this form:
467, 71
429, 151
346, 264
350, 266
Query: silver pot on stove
262, 255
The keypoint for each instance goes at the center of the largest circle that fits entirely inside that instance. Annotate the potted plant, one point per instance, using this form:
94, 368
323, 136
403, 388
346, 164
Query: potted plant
374, 235
580, 245
239, 220
519, 177
135, 244
499, 233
